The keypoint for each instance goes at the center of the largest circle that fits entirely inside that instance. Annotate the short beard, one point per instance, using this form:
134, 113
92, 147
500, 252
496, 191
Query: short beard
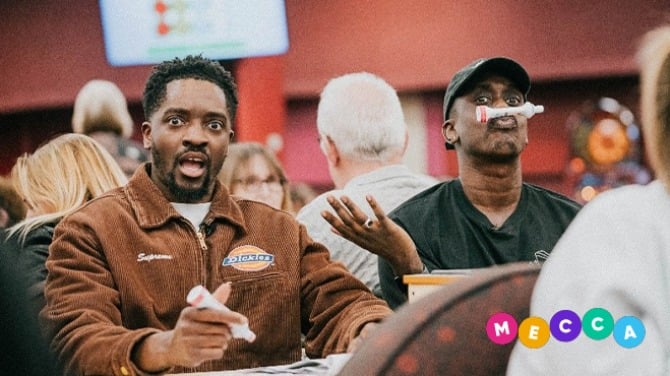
494, 156
180, 194
186, 195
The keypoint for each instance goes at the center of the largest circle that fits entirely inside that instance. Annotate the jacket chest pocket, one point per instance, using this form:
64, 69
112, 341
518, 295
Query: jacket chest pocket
271, 302
267, 289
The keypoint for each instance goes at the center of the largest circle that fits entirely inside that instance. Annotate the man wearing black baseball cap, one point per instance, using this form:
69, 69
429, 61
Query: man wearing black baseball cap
473, 72
486, 216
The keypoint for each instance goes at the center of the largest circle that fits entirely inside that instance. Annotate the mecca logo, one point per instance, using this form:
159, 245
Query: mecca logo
597, 324
248, 258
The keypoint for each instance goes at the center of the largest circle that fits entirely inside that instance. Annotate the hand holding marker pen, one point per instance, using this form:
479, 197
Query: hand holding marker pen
199, 297
484, 114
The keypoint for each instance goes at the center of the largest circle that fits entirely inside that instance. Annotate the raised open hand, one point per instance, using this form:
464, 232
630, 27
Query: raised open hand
380, 236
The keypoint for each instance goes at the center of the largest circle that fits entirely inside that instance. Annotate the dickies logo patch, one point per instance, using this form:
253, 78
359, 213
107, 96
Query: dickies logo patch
248, 258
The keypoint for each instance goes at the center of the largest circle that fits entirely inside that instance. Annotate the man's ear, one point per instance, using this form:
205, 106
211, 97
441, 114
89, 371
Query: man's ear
449, 133
146, 135
330, 150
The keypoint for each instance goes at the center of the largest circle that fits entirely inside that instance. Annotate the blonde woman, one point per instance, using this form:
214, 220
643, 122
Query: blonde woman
101, 111
55, 180
251, 171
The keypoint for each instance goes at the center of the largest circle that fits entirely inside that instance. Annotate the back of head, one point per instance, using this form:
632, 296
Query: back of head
190, 67
654, 61
362, 115
101, 106
63, 174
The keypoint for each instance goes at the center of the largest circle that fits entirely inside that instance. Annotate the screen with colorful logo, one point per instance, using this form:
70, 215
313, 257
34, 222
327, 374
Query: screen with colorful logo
140, 32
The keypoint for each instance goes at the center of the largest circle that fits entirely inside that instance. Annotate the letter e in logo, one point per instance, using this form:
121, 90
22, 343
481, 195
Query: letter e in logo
534, 332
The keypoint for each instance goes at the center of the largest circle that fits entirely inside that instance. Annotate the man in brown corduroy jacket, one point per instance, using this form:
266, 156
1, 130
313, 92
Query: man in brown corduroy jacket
120, 268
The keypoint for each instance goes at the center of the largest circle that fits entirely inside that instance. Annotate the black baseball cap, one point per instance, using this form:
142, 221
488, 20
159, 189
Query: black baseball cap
503, 66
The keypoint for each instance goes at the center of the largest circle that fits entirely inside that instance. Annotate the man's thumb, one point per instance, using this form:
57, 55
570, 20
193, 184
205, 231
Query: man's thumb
223, 292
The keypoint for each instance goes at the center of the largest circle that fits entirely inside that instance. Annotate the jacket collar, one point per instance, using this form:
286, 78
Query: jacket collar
152, 209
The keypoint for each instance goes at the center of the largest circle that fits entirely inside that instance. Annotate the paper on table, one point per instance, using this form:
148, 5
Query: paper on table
329, 366
452, 271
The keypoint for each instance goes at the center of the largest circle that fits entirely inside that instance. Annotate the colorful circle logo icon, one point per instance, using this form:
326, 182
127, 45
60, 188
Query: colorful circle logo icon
534, 332
598, 323
565, 325
501, 328
629, 332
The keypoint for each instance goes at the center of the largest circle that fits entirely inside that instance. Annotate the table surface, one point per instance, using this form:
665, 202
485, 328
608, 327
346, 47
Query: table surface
428, 279
438, 277
328, 366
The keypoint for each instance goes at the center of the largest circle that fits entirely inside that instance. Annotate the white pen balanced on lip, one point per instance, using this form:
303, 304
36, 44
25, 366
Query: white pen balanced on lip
484, 113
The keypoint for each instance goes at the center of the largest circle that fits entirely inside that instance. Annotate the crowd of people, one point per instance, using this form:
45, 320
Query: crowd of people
104, 237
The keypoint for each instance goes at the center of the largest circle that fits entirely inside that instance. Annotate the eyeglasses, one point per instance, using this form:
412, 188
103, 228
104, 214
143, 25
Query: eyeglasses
255, 184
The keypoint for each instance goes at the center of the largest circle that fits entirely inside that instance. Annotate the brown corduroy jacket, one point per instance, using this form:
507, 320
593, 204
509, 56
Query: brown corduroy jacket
120, 268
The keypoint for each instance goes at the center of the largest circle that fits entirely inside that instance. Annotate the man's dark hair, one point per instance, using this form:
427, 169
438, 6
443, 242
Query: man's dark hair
195, 67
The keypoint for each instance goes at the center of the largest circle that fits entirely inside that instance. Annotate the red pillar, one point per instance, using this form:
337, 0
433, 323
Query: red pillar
261, 114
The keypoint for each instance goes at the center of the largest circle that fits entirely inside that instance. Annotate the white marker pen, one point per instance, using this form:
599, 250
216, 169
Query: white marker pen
199, 297
484, 114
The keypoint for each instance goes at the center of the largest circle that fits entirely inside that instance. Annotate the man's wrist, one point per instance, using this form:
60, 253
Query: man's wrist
409, 264
148, 354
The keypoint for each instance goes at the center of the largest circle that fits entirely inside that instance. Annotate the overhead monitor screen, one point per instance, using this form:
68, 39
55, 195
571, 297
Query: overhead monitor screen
140, 32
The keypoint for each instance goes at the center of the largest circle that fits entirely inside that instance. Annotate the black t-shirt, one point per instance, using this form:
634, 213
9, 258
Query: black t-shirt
450, 233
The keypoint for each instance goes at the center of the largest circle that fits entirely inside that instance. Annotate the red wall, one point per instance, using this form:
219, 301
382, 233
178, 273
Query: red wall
49, 49
418, 45
574, 50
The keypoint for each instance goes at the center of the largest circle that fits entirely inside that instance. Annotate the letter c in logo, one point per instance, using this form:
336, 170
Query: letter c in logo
565, 325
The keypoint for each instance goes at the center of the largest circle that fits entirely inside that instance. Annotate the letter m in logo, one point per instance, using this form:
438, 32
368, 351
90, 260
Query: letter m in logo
501, 328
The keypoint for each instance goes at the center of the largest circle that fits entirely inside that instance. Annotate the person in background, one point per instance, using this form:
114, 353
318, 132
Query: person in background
55, 180
615, 256
12, 209
23, 349
301, 194
253, 172
120, 268
488, 215
101, 111
362, 133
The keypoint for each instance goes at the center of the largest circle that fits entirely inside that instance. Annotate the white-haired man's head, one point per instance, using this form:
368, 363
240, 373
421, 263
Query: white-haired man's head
360, 114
